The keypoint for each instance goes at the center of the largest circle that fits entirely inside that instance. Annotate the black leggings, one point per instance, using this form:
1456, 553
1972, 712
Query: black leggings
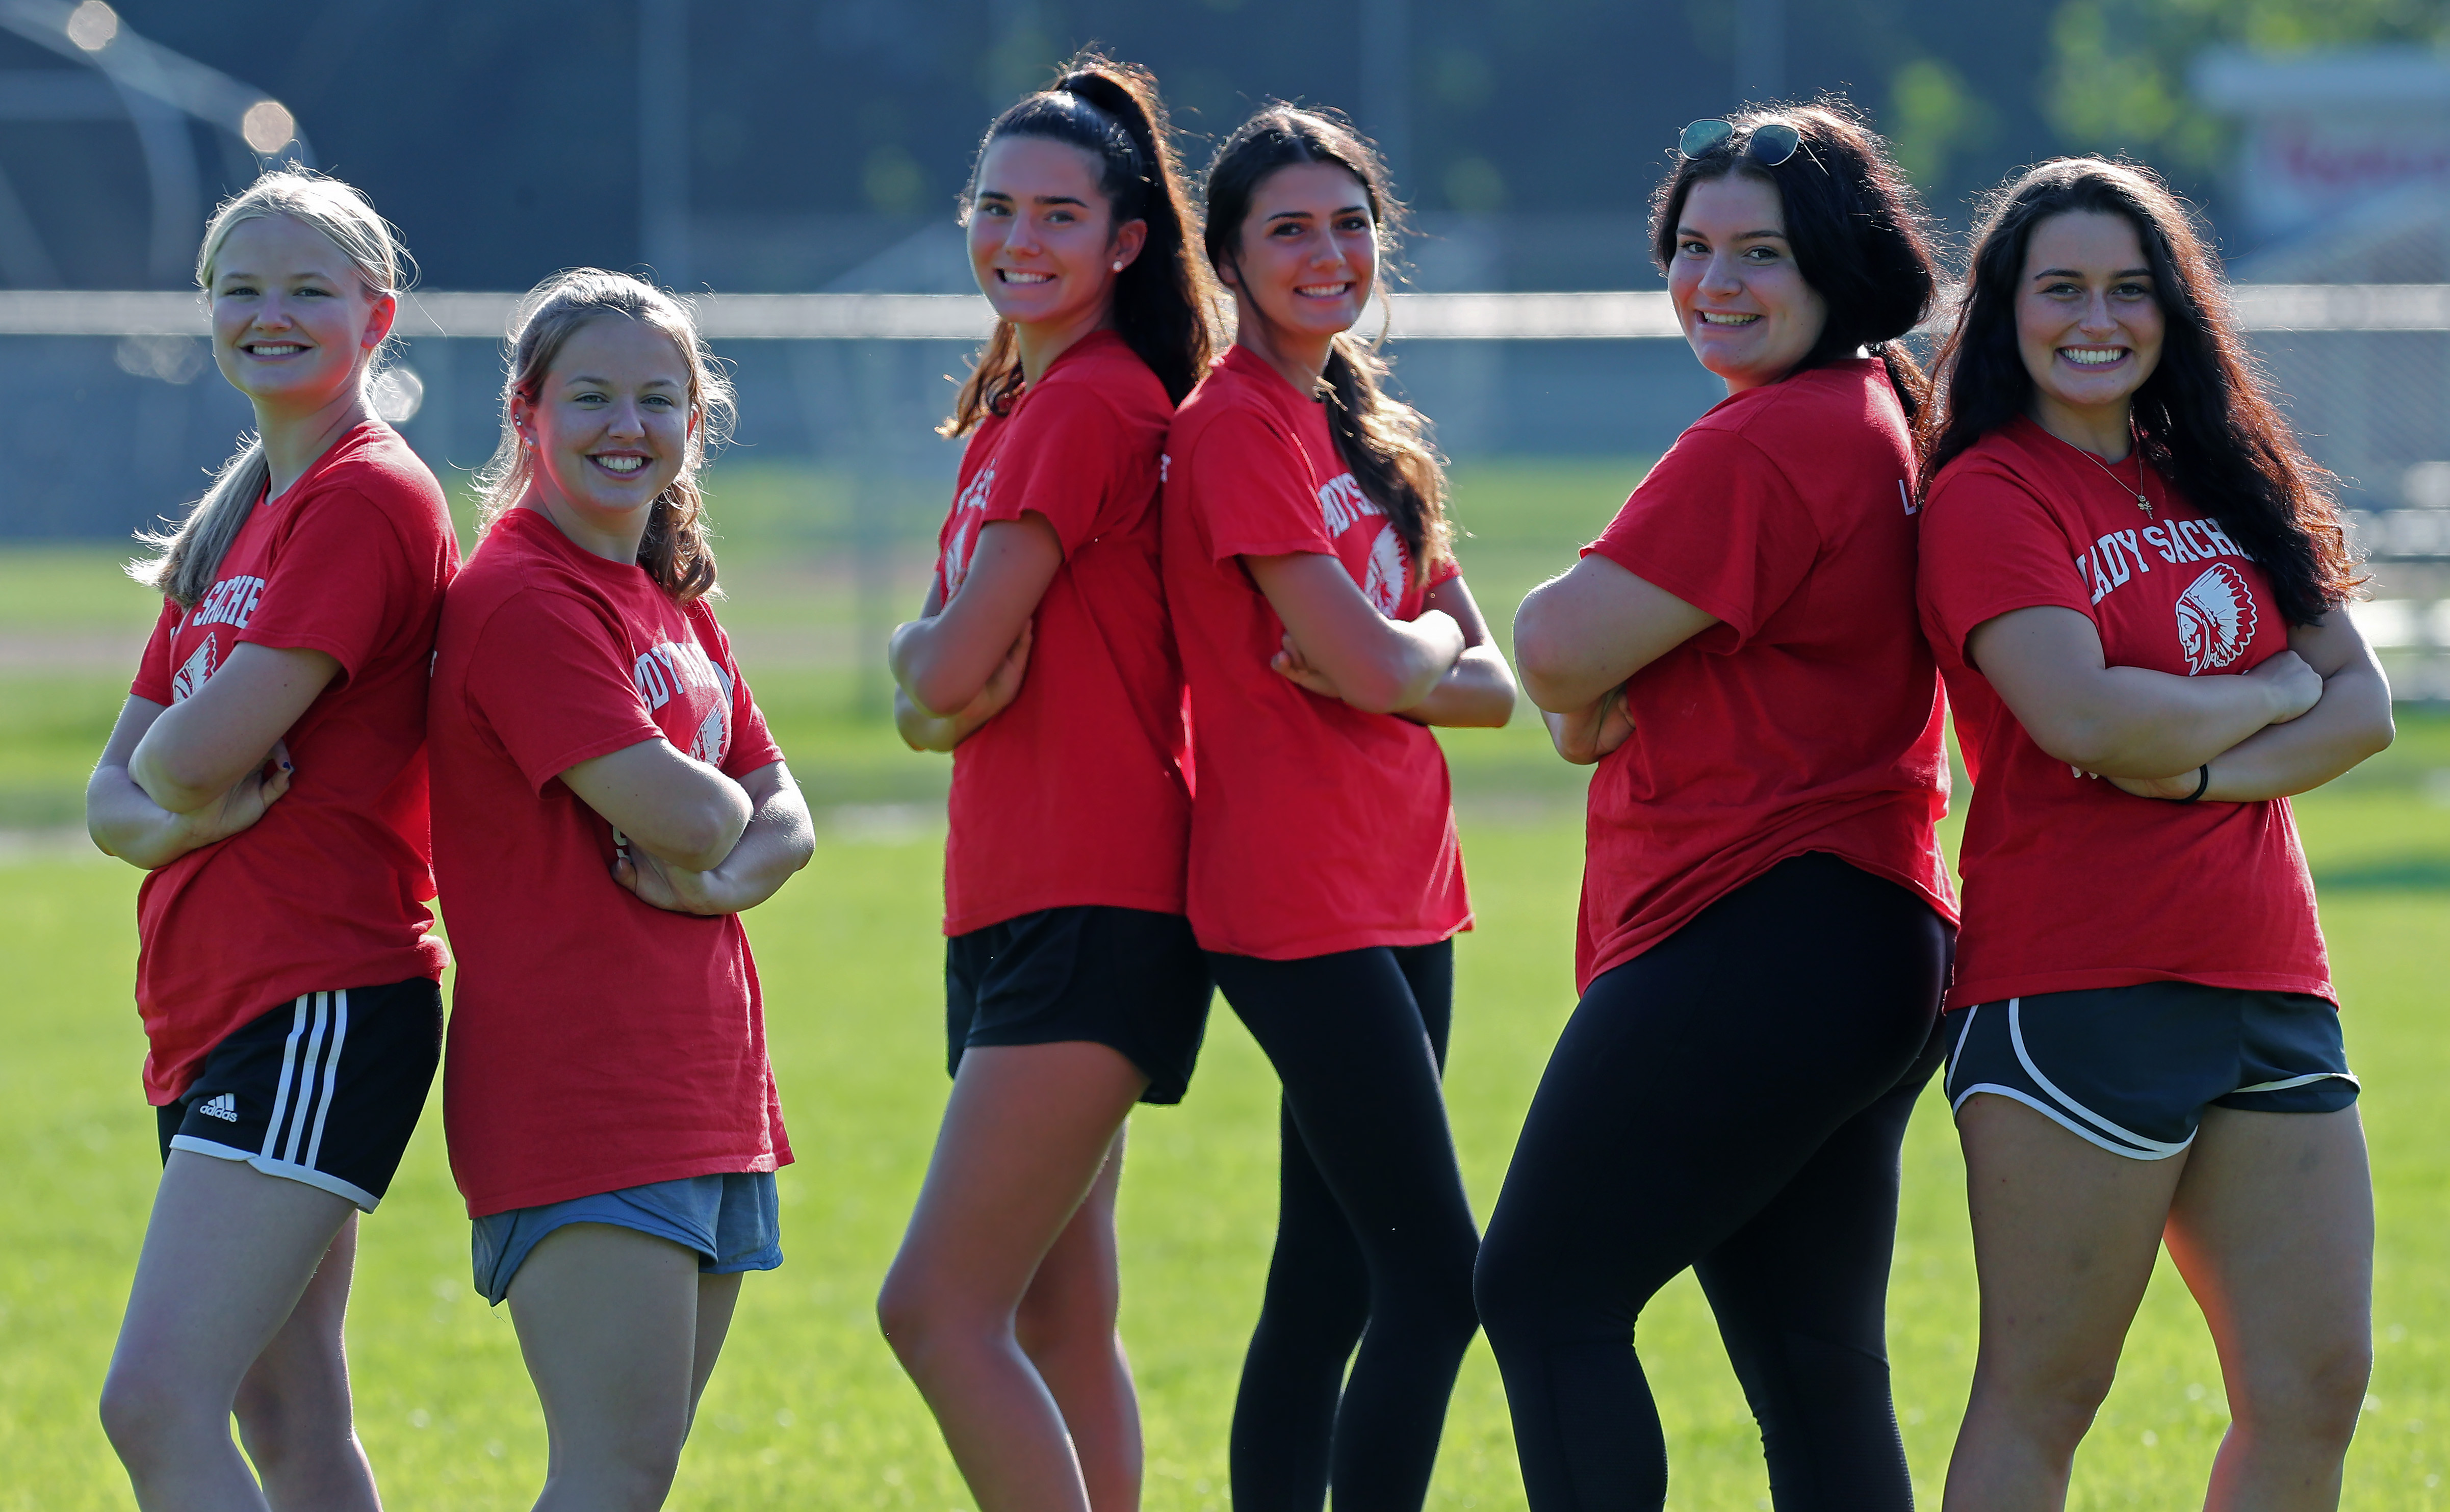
1731, 1100
1374, 1240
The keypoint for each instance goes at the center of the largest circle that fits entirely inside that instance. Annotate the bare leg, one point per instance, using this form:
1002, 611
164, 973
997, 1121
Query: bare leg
2065, 1234
1067, 1325
1024, 1140
229, 1253
609, 1323
293, 1407
2273, 1230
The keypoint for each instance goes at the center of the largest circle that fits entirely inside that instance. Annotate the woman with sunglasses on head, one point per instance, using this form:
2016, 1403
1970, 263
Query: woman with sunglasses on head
1043, 663
1323, 626
268, 774
1765, 911
2136, 584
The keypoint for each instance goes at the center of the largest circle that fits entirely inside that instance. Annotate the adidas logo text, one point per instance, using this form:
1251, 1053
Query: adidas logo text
224, 1107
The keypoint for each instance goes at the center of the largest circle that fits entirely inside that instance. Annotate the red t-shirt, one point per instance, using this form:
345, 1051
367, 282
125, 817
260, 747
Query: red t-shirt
1808, 719
597, 1043
1317, 827
327, 889
2070, 883
1075, 793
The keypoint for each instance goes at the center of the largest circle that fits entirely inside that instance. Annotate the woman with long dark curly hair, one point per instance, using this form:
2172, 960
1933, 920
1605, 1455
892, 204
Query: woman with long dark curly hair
2135, 582
1765, 911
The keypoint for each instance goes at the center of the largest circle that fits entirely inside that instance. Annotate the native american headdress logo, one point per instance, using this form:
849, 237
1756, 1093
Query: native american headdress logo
191, 677
1391, 570
2215, 618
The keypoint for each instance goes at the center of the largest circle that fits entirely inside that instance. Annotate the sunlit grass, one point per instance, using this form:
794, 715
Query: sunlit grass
809, 1408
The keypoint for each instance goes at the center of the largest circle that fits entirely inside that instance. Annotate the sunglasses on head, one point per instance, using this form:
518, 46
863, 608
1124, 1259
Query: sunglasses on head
1772, 143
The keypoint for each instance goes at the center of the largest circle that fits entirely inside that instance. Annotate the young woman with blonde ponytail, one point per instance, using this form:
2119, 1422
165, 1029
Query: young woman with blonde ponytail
1324, 625
606, 803
268, 771
1042, 661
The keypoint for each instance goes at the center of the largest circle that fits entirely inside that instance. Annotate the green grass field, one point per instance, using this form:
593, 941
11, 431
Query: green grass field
809, 1408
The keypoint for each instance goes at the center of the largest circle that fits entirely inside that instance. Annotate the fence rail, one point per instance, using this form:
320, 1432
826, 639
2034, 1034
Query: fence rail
1606, 315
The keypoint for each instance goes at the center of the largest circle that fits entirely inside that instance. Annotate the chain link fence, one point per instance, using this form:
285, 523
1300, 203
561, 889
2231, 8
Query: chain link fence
111, 413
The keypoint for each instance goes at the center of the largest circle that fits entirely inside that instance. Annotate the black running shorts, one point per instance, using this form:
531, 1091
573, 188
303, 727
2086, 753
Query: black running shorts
325, 1090
1125, 978
2132, 1069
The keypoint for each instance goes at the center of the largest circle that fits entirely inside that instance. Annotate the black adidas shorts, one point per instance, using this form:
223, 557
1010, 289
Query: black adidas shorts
1125, 978
2132, 1069
324, 1089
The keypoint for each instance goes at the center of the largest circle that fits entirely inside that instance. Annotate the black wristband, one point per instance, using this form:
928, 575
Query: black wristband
2203, 781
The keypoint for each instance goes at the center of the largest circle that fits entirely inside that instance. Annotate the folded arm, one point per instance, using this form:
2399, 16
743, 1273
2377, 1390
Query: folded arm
1581, 635
126, 822
2048, 665
945, 659
778, 841
192, 752
2350, 722
675, 808
1378, 665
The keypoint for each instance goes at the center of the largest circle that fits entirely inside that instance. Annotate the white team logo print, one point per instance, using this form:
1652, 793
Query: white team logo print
713, 734
966, 534
956, 560
191, 677
224, 1107
1390, 572
2215, 618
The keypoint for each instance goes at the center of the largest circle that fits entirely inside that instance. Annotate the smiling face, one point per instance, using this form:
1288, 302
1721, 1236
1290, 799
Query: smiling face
293, 323
1308, 253
610, 427
1042, 240
2088, 322
1746, 308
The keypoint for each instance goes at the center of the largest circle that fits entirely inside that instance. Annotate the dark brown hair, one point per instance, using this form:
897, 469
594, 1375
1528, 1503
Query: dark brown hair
1110, 110
1860, 236
2205, 418
1384, 440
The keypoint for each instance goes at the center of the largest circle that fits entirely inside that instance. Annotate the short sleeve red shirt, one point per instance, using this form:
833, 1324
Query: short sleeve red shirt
327, 890
597, 1043
1316, 827
1075, 793
2070, 883
1809, 718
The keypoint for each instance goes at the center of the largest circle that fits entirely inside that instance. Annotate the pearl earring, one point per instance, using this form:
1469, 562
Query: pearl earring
1118, 267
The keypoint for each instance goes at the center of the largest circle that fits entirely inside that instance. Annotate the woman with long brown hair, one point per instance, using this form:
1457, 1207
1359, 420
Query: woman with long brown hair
2136, 585
1042, 661
1324, 626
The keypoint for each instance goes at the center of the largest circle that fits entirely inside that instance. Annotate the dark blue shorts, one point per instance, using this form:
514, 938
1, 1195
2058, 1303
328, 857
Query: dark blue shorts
734, 1222
2132, 1069
1124, 978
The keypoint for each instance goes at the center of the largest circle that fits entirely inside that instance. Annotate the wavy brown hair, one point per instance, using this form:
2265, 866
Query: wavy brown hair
676, 550
1112, 111
1860, 234
2206, 419
1383, 439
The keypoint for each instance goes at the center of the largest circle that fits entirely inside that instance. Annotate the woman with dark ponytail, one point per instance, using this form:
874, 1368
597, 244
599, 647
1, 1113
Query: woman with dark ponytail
1042, 661
1324, 626
1766, 915
2136, 583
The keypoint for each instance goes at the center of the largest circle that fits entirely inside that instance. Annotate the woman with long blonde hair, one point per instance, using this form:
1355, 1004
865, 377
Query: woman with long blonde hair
268, 772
